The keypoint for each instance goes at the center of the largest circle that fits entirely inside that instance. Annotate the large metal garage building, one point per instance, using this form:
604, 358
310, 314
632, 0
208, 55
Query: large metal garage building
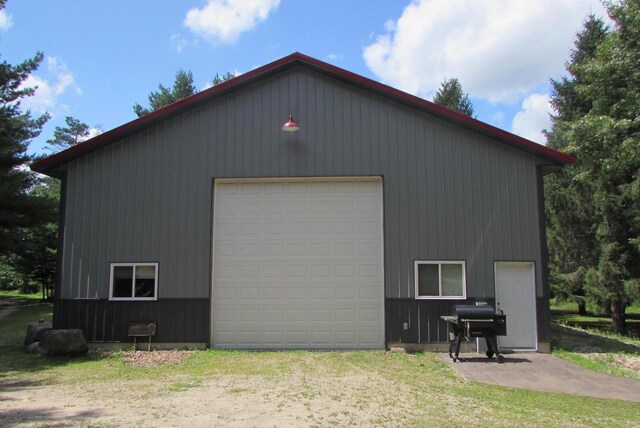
355, 232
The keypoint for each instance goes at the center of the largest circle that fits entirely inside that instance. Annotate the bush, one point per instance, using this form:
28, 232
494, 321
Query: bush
9, 278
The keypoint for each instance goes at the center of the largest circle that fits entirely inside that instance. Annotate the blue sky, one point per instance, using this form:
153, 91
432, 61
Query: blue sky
101, 57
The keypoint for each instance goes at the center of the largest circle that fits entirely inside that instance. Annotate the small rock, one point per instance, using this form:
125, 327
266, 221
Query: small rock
63, 342
34, 348
35, 330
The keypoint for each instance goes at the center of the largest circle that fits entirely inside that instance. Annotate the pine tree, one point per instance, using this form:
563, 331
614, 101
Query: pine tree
20, 209
603, 132
571, 232
74, 133
219, 79
608, 145
17, 128
34, 253
182, 87
566, 100
451, 95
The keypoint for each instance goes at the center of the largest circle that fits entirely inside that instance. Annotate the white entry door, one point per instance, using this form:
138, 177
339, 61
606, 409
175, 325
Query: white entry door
515, 295
298, 263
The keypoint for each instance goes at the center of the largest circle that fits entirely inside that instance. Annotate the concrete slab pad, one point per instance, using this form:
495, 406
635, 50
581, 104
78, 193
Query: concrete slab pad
544, 372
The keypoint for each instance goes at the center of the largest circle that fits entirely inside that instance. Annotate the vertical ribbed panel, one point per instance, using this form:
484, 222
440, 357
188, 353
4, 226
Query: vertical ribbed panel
449, 193
177, 320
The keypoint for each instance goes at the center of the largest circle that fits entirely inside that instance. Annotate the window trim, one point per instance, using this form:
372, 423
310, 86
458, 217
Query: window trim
417, 263
112, 267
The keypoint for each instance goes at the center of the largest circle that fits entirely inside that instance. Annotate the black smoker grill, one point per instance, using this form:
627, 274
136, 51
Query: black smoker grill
473, 321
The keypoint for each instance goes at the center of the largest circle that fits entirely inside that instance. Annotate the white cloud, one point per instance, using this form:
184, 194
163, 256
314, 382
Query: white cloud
93, 132
335, 57
180, 42
498, 49
533, 118
498, 118
390, 25
224, 20
44, 98
5, 20
49, 89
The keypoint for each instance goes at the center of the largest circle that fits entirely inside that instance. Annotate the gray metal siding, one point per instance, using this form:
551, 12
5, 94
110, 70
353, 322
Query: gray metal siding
449, 193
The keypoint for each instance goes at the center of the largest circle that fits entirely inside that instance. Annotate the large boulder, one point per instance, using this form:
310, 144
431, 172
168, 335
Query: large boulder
63, 342
35, 330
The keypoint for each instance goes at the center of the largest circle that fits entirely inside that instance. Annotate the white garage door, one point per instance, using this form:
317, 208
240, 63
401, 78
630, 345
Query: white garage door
298, 263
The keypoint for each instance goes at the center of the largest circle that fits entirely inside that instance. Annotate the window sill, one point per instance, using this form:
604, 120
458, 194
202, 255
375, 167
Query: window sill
441, 297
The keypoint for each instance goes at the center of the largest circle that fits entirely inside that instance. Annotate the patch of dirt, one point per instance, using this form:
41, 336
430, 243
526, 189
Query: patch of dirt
310, 395
153, 358
4, 312
296, 399
621, 361
628, 362
7, 302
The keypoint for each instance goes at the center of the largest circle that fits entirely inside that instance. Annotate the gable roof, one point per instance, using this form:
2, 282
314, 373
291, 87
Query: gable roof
48, 165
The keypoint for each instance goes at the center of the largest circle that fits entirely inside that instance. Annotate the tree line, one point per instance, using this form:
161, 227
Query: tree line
593, 206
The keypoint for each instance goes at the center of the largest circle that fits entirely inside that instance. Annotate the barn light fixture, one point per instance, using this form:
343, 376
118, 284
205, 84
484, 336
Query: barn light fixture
290, 125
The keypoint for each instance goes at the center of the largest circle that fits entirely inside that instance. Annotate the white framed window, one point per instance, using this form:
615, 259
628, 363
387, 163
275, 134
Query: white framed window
440, 280
133, 281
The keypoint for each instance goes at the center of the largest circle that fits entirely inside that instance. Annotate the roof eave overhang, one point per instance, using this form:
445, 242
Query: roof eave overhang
555, 157
48, 165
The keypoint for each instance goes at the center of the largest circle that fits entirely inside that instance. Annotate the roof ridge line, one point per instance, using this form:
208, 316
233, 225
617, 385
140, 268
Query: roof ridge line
49, 163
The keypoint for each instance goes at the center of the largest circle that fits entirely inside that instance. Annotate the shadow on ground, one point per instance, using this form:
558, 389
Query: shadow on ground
565, 337
601, 323
485, 360
8, 385
13, 358
50, 417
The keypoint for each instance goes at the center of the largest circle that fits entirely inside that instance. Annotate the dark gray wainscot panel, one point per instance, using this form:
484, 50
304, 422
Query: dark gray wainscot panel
178, 320
422, 317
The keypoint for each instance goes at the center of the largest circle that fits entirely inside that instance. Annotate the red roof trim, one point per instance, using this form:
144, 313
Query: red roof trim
46, 164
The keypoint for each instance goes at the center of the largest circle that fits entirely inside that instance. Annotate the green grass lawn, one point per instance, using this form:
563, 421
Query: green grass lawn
425, 389
588, 340
566, 313
17, 295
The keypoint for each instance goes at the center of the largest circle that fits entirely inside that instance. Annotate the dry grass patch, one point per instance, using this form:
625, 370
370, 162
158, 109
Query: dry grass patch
152, 358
